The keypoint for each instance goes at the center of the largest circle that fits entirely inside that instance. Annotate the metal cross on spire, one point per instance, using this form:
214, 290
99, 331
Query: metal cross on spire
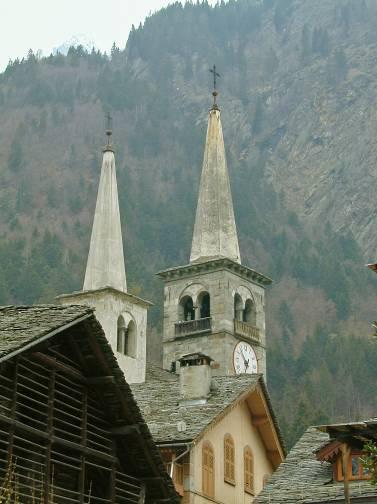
109, 131
214, 92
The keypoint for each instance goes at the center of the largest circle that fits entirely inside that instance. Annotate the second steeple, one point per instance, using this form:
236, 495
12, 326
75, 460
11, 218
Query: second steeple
105, 266
215, 233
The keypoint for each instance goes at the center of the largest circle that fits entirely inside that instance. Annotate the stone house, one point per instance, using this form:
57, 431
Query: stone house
219, 445
313, 470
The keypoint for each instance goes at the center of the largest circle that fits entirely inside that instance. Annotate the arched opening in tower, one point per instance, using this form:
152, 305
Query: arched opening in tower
249, 313
238, 307
186, 309
204, 301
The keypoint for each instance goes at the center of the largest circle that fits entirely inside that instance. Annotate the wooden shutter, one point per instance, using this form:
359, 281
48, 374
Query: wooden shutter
248, 470
229, 456
208, 470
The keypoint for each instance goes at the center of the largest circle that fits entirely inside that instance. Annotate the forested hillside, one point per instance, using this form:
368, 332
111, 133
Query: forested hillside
297, 94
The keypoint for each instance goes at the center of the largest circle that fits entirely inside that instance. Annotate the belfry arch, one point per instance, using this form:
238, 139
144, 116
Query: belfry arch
204, 305
126, 335
249, 313
186, 309
238, 307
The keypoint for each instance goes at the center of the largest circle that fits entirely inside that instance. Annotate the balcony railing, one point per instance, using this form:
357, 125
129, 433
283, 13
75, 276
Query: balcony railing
246, 330
193, 326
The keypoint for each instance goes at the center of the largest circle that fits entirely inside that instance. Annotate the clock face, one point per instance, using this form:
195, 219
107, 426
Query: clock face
244, 359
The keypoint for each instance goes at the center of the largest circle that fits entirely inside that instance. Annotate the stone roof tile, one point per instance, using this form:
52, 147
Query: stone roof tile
20, 325
172, 421
302, 479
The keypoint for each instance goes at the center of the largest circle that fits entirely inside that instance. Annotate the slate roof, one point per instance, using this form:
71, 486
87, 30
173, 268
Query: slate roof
22, 327
301, 479
159, 399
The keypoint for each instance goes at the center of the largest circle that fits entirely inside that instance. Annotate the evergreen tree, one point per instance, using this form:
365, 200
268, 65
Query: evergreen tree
16, 157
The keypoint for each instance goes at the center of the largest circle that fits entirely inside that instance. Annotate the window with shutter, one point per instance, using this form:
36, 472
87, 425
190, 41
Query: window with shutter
229, 456
248, 470
208, 470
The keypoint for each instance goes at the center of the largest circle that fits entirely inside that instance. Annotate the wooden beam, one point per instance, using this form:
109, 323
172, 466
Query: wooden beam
22, 426
145, 448
271, 423
151, 479
259, 420
50, 420
142, 495
54, 439
13, 411
84, 435
100, 380
77, 351
272, 453
126, 430
346, 452
52, 363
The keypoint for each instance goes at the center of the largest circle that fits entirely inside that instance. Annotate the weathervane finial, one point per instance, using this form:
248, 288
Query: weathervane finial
109, 130
214, 92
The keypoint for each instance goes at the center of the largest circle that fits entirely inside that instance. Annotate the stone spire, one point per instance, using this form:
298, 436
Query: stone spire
215, 233
105, 266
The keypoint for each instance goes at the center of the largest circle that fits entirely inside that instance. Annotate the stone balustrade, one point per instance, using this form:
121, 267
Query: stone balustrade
246, 330
193, 326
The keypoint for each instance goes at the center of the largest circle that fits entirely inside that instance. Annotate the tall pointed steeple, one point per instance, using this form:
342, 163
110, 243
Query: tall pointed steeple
215, 304
105, 266
122, 315
215, 233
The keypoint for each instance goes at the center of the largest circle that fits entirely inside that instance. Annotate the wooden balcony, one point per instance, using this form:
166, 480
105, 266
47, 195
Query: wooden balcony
246, 330
193, 326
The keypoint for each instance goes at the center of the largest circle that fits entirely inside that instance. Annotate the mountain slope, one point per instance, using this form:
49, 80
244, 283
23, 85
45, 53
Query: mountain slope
296, 90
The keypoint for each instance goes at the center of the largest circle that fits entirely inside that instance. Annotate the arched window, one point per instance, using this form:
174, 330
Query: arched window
238, 307
249, 315
208, 470
186, 308
248, 464
121, 334
205, 305
130, 349
126, 337
229, 457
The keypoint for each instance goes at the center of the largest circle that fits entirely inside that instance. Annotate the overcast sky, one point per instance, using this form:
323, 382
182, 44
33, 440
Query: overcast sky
46, 24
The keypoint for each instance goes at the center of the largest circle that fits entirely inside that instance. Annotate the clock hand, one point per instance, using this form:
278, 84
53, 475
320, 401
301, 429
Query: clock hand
244, 359
246, 364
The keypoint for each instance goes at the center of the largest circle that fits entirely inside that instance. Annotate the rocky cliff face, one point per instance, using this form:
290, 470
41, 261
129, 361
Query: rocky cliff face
325, 157
299, 86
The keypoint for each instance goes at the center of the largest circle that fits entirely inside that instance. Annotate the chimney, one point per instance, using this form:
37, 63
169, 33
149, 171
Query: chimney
195, 377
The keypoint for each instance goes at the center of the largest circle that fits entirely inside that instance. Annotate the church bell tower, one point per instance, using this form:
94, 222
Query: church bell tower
215, 305
122, 315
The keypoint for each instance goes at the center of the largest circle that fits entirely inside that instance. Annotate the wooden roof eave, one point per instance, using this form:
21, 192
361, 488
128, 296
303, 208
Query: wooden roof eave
274, 449
242, 397
264, 423
327, 452
45, 337
120, 386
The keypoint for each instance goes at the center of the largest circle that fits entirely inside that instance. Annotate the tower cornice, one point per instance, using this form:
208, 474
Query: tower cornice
78, 295
206, 266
